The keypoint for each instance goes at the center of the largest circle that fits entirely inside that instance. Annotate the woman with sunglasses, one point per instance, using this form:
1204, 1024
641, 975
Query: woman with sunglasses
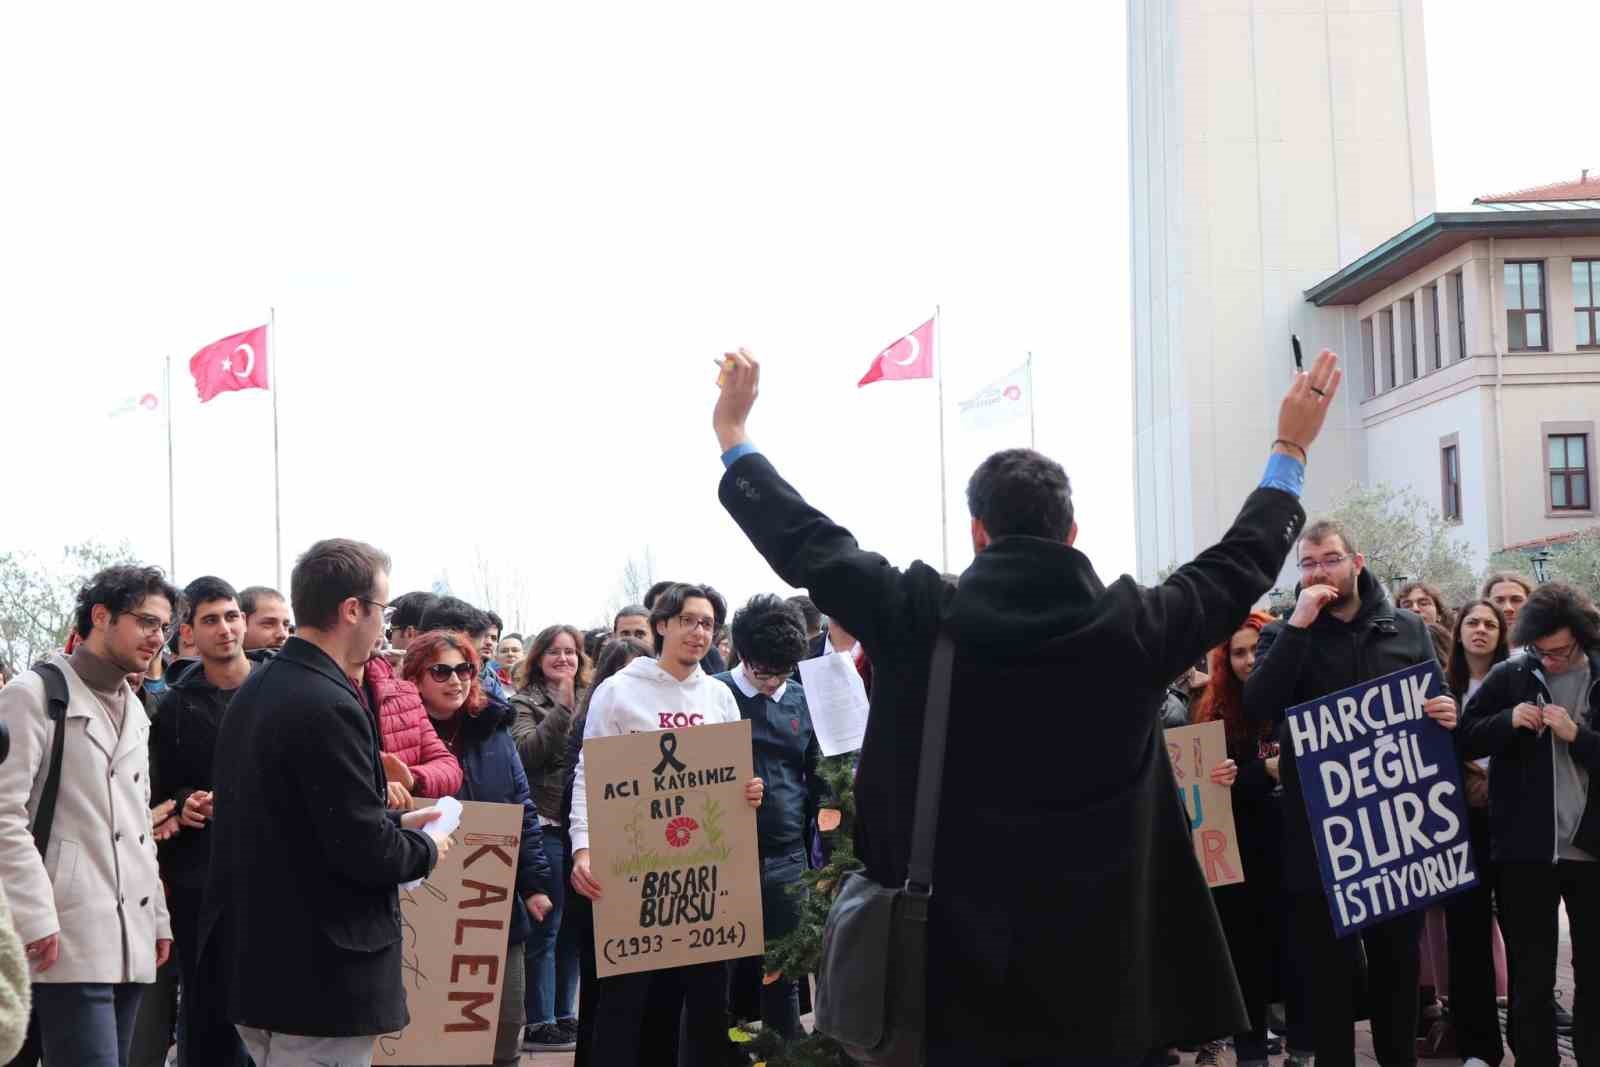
550, 682
415, 763
444, 667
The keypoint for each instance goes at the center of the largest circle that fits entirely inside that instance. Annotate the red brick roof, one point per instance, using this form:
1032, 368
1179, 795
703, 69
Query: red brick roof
1586, 187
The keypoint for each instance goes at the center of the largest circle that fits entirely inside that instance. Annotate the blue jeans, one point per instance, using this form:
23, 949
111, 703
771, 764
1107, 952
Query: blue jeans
780, 914
87, 1024
552, 962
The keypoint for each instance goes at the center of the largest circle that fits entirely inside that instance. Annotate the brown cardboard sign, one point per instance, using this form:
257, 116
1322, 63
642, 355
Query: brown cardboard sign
1193, 751
453, 930
673, 844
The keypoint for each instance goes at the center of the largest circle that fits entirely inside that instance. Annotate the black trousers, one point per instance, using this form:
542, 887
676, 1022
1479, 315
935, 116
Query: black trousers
1329, 968
1530, 894
1249, 922
205, 1036
1469, 931
965, 1058
622, 1017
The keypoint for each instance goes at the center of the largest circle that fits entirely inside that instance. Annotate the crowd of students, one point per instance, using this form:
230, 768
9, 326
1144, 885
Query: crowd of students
203, 828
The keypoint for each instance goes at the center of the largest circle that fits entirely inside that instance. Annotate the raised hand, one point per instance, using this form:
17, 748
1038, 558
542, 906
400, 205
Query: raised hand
1305, 405
737, 384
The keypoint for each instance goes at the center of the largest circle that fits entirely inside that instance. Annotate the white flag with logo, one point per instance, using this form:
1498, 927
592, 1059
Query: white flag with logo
1002, 401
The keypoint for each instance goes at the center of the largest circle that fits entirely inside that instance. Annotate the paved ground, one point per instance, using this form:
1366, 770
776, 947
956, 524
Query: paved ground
1363, 1034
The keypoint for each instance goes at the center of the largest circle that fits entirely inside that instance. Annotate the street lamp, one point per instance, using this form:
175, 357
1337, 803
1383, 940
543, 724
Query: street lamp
1541, 563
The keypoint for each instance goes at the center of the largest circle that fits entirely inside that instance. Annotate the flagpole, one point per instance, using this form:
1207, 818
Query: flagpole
272, 382
944, 512
172, 524
1032, 443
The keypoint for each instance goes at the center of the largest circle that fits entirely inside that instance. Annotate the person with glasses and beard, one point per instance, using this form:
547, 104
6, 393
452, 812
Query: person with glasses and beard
90, 910
1535, 716
1344, 630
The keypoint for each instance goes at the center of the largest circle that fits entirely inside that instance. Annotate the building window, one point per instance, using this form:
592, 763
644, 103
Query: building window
1369, 360
1456, 286
1586, 301
1386, 320
1450, 478
1432, 320
1525, 307
1568, 457
1406, 317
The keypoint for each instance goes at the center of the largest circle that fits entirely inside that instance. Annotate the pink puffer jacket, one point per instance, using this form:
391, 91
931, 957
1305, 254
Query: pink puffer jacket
407, 732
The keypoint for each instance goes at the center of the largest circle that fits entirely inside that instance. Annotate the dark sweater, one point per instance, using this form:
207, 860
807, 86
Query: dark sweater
786, 755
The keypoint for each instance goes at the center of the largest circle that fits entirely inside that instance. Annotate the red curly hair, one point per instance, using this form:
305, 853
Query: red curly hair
1224, 693
426, 649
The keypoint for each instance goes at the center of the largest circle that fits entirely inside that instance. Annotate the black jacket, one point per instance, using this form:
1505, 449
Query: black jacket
183, 743
301, 921
492, 773
786, 756
1295, 665
1062, 845
1522, 813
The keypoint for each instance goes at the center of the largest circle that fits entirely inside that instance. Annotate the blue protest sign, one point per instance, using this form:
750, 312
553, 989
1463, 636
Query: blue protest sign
1383, 795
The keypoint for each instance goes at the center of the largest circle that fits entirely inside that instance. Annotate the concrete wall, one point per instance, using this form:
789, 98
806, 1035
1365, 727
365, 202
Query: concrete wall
1272, 142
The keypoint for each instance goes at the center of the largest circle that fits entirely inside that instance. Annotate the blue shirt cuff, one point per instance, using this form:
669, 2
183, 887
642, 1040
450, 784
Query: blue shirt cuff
736, 453
1285, 473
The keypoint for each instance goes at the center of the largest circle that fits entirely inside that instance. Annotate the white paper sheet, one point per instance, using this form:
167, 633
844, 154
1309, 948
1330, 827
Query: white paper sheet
445, 824
837, 700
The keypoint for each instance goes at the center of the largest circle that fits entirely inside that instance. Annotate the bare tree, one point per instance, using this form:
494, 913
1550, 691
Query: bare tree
37, 597
638, 575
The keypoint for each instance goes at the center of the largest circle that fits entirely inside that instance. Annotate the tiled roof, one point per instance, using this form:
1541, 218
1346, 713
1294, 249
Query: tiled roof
1584, 188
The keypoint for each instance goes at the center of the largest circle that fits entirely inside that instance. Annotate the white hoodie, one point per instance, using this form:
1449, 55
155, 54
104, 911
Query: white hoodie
643, 697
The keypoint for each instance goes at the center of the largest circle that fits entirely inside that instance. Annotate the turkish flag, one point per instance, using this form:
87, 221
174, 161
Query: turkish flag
236, 362
909, 357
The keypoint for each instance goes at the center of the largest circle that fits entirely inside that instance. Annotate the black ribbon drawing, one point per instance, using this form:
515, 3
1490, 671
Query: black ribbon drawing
669, 746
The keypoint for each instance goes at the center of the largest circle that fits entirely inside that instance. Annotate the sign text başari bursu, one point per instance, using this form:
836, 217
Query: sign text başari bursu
673, 844
1383, 795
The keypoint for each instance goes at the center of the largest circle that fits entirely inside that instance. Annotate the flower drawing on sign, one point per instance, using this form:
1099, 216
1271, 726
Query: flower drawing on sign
680, 831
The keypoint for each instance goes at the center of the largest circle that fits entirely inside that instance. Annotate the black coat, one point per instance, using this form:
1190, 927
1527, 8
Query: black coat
183, 743
1522, 813
301, 921
1068, 913
1295, 665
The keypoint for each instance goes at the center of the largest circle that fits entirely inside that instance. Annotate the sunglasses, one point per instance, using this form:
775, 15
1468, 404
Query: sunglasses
441, 672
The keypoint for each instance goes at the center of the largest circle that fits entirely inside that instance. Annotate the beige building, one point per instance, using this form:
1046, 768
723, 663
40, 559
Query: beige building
1477, 367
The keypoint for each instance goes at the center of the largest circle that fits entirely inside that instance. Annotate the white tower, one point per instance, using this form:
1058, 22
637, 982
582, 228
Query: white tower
1272, 142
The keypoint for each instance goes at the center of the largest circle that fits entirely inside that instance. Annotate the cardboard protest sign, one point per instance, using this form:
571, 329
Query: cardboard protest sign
1193, 751
453, 930
672, 841
1383, 795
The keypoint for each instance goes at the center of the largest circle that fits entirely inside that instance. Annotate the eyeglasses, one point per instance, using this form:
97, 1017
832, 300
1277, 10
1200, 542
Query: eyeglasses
380, 605
1326, 563
1554, 655
151, 624
697, 622
761, 674
441, 672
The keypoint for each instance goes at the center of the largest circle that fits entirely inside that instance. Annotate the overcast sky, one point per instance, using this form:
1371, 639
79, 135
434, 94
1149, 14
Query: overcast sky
504, 241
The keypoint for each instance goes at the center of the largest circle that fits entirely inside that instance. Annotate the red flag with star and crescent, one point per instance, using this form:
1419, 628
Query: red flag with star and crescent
235, 362
909, 357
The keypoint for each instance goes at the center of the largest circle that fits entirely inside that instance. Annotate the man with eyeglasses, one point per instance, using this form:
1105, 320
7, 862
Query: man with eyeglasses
669, 692
1536, 715
300, 925
1344, 630
769, 635
90, 909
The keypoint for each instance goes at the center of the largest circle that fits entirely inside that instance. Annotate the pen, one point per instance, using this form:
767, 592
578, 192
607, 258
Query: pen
1299, 361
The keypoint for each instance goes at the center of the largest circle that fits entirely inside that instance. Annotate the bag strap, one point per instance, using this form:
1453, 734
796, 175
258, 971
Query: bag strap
55, 695
930, 776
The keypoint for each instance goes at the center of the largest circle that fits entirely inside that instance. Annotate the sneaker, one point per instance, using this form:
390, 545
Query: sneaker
1209, 1055
547, 1037
568, 1027
1563, 1017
